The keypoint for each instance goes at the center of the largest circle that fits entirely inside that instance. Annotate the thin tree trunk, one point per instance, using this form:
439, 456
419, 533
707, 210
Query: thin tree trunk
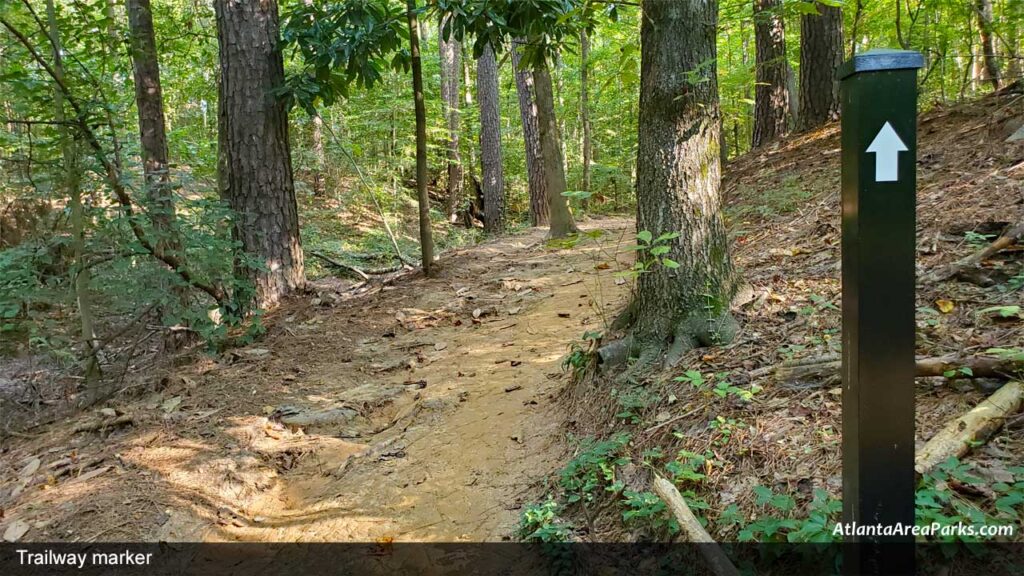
490, 141
821, 53
771, 95
153, 135
561, 221
426, 237
81, 278
585, 110
531, 139
319, 183
450, 70
255, 168
983, 9
467, 78
684, 302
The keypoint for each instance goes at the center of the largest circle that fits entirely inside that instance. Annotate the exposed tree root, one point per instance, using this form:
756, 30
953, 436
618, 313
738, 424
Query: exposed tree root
1008, 238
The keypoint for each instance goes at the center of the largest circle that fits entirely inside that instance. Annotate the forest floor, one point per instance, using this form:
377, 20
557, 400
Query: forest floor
435, 409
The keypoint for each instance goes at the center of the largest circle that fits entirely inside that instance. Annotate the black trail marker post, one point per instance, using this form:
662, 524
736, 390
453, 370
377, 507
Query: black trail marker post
879, 152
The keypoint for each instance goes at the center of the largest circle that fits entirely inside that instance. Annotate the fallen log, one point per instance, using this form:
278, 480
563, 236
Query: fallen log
1008, 238
688, 523
977, 425
104, 423
976, 367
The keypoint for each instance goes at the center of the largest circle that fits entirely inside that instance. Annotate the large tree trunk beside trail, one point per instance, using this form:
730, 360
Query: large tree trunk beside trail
451, 68
531, 139
255, 165
771, 93
561, 221
490, 142
678, 176
821, 52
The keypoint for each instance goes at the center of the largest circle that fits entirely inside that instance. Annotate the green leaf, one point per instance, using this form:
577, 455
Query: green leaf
669, 263
644, 236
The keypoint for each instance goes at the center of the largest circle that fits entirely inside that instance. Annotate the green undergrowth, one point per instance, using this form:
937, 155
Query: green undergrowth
613, 473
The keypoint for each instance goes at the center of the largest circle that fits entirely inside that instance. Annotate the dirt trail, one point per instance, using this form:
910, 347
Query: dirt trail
425, 413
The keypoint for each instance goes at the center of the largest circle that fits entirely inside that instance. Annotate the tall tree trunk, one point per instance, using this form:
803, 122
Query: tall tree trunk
153, 134
684, 301
983, 9
771, 95
81, 278
426, 236
588, 152
450, 70
531, 139
561, 221
319, 183
255, 165
821, 52
490, 141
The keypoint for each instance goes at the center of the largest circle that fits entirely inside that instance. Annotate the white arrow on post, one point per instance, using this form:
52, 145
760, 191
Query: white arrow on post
887, 147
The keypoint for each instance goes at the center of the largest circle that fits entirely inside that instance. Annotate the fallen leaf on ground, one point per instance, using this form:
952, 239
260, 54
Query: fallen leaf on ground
30, 468
944, 306
171, 404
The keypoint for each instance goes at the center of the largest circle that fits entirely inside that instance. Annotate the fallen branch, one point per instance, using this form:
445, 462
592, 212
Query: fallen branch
341, 265
1008, 238
977, 425
978, 367
688, 523
104, 423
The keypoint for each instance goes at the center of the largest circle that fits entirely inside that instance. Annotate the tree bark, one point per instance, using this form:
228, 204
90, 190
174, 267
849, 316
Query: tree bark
531, 139
588, 151
426, 236
490, 141
771, 94
153, 138
319, 184
561, 221
255, 168
152, 131
983, 9
821, 52
451, 53
678, 175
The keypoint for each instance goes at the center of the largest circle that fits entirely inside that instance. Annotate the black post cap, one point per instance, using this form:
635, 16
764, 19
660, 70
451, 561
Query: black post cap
881, 59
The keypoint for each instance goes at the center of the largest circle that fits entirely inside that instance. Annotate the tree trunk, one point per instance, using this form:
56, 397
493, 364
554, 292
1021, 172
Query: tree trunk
678, 176
771, 95
585, 110
153, 137
531, 140
450, 70
81, 278
319, 184
983, 9
821, 52
490, 141
561, 221
255, 167
426, 237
